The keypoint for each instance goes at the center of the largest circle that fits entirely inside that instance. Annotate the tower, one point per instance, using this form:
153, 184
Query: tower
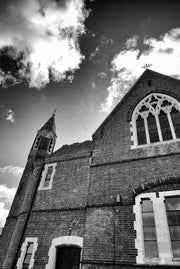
45, 139
17, 219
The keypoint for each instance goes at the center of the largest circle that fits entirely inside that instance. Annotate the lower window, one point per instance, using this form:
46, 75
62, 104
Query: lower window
28, 249
157, 225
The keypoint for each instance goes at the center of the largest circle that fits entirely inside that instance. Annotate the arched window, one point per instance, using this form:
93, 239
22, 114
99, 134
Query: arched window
156, 119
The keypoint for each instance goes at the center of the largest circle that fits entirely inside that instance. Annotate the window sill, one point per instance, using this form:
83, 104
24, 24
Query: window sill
156, 144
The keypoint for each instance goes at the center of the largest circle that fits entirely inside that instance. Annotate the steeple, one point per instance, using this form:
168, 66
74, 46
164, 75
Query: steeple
45, 139
50, 125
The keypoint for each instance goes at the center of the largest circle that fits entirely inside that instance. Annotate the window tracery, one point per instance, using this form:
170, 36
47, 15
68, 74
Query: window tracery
156, 119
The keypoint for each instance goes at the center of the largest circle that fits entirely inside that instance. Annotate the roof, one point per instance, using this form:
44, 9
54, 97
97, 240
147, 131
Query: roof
145, 75
50, 125
75, 148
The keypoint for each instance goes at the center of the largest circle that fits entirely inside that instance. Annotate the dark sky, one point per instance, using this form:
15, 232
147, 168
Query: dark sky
79, 57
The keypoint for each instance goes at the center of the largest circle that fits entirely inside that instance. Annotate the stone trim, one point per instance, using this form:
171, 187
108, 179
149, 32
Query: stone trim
59, 241
162, 229
23, 252
153, 184
43, 176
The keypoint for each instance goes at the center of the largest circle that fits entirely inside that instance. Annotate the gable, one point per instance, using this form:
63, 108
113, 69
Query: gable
150, 81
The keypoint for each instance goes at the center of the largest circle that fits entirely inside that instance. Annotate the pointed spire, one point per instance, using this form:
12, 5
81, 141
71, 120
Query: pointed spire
50, 125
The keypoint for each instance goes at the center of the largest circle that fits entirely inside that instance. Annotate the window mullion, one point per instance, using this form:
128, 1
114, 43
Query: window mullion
158, 128
171, 124
146, 129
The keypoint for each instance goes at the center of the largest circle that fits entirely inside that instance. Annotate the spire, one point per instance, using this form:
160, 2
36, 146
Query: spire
45, 139
50, 125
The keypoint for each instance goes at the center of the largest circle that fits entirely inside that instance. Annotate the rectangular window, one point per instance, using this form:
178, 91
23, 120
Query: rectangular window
28, 255
173, 217
28, 249
149, 231
48, 176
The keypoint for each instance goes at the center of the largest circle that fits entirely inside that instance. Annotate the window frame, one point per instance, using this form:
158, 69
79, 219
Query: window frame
44, 174
135, 114
162, 229
20, 261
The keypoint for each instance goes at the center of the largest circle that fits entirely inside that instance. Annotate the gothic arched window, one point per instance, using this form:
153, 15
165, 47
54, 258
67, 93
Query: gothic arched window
155, 119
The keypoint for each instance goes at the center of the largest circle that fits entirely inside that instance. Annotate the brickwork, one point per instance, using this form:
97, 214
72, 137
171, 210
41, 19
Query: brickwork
69, 188
49, 225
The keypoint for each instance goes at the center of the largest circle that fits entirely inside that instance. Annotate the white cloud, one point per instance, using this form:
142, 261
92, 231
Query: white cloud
6, 194
6, 198
102, 75
3, 214
47, 32
162, 53
10, 115
131, 42
14, 170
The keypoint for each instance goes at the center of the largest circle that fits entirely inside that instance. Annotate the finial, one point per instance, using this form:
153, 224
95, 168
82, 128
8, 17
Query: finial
54, 112
146, 66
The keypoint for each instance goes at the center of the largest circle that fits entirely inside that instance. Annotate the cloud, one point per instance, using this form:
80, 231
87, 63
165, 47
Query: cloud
6, 198
105, 42
102, 75
14, 170
40, 40
162, 53
3, 214
131, 42
10, 115
92, 84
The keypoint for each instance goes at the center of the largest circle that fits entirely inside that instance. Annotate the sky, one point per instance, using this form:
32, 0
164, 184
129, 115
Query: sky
79, 56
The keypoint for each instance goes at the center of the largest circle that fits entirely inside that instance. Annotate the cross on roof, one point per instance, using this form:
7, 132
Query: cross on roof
54, 112
146, 66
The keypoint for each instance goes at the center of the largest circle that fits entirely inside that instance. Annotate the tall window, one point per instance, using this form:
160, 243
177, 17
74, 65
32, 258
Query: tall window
155, 119
149, 229
28, 255
47, 176
173, 216
26, 259
157, 226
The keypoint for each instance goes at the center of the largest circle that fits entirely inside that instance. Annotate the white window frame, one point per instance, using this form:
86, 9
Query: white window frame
23, 252
162, 229
43, 176
155, 112
60, 241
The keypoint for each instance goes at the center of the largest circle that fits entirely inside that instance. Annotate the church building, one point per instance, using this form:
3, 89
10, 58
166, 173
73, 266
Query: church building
112, 202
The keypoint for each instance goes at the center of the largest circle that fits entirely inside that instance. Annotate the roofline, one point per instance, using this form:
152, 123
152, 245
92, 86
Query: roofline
129, 92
